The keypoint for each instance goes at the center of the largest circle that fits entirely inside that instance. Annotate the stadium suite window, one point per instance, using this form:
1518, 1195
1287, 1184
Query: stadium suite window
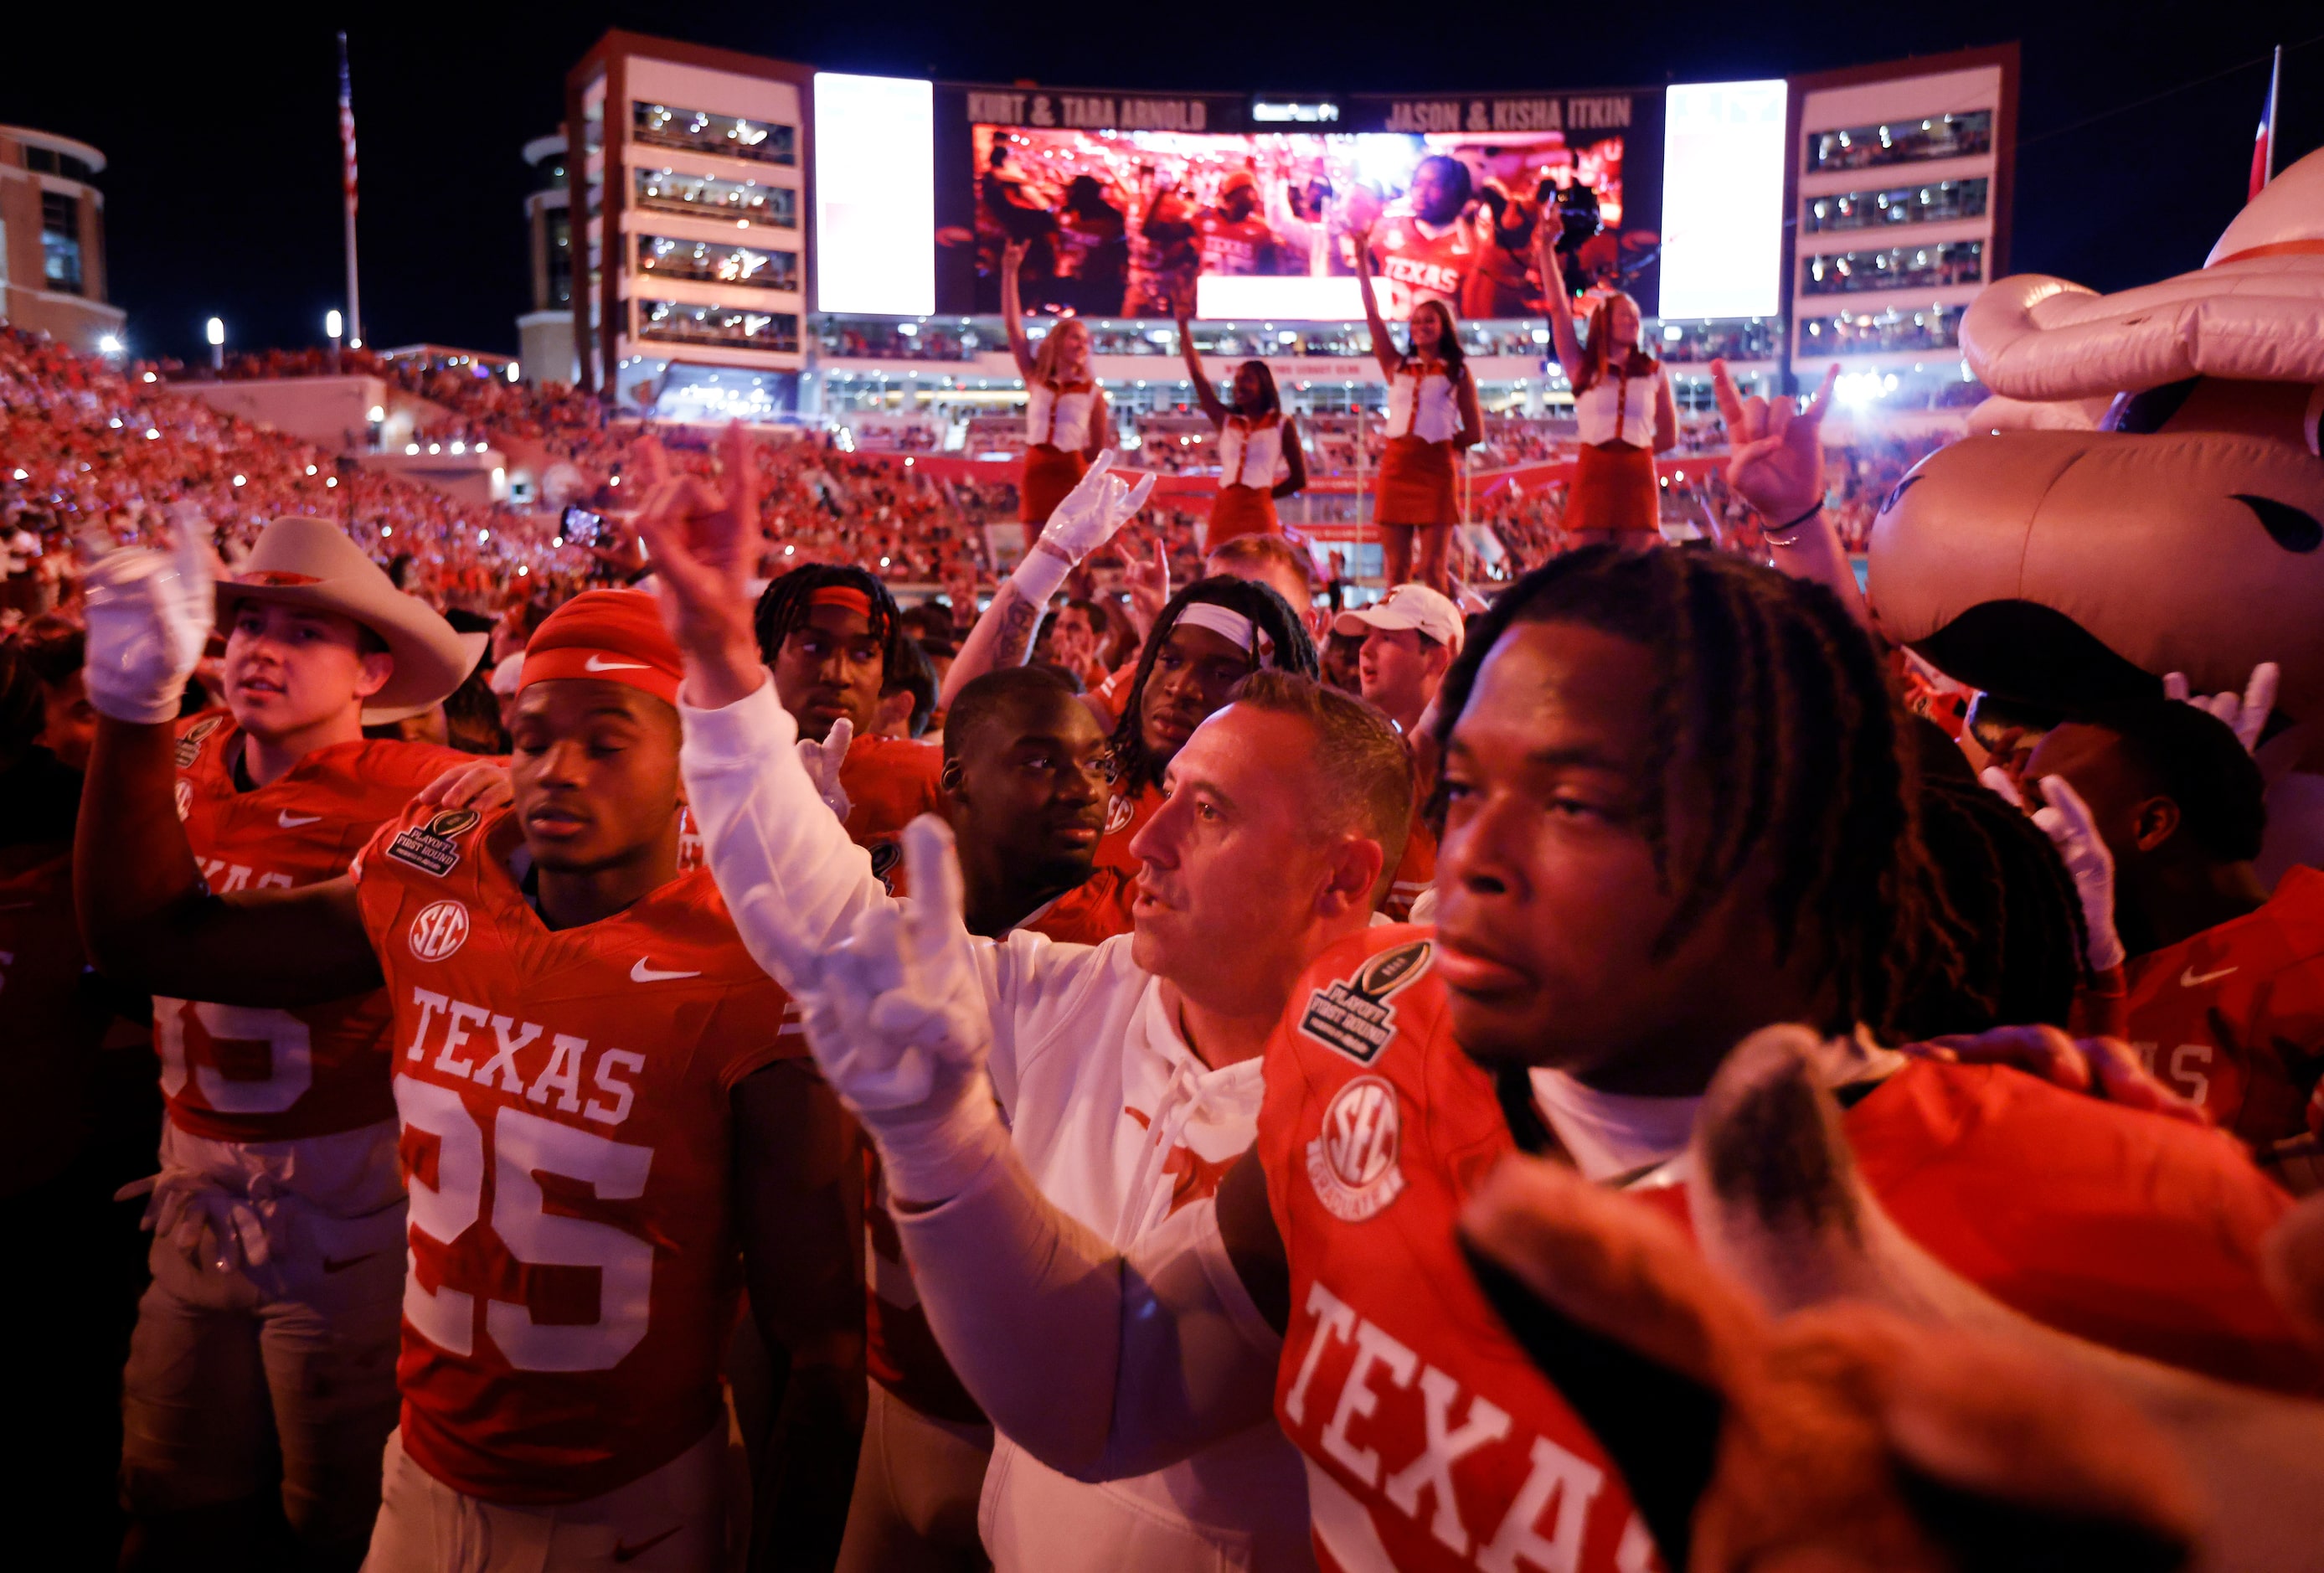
710, 197
699, 131
60, 242
703, 263
678, 322
1898, 267
1938, 202
46, 160
1940, 136
1876, 332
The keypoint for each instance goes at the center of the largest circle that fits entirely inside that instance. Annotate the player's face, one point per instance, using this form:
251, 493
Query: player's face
1193, 673
1232, 861
2091, 760
68, 721
1551, 909
1236, 203
831, 666
1033, 786
1071, 641
595, 766
290, 668
1434, 196
1398, 673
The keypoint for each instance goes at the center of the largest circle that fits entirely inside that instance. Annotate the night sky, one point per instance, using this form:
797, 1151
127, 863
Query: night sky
222, 187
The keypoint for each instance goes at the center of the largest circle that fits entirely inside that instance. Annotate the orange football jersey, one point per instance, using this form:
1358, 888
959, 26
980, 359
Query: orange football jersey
890, 781
2233, 1016
1432, 1441
236, 1073
1125, 817
1089, 913
1418, 266
569, 1146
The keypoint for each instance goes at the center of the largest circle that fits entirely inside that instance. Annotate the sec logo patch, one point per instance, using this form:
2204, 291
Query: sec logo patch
441, 929
1352, 1161
1119, 813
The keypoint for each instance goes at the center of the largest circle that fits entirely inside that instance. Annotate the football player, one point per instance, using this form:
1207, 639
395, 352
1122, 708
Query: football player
595, 1106
2224, 980
269, 1330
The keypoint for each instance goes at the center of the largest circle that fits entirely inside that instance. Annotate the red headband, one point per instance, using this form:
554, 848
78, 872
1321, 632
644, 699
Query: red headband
612, 636
847, 597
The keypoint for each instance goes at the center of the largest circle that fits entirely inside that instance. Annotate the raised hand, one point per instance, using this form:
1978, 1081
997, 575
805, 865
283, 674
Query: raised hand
899, 1023
150, 614
1775, 454
483, 785
702, 540
2245, 714
1147, 582
823, 761
1098, 506
2107, 1067
2066, 820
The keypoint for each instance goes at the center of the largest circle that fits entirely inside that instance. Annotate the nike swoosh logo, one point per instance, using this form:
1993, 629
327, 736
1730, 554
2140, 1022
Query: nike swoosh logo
599, 663
628, 1553
2190, 978
290, 821
333, 1264
641, 973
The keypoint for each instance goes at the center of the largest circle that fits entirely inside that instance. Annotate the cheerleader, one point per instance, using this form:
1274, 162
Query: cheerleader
1432, 413
1065, 408
1622, 403
1253, 437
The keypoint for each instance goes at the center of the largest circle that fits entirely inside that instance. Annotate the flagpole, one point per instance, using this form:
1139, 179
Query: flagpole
347, 185
2275, 86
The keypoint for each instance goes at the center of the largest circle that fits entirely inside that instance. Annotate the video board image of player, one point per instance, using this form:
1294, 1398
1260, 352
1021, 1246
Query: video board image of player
1123, 224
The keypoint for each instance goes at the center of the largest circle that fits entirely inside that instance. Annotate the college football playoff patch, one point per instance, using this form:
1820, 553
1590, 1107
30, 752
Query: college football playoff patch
190, 745
431, 849
1353, 1014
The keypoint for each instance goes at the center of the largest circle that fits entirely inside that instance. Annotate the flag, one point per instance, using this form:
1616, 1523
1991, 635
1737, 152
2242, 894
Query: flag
346, 124
2263, 164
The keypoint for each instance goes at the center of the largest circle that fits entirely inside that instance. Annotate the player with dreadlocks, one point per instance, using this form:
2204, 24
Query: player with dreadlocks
831, 634
1681, 809
1209, 637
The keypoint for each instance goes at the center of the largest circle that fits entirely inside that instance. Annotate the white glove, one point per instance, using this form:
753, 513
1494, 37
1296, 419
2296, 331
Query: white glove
149, 619
1996, 781
823, 761
2066, 819
1098, 507
900, 1024
2245, 714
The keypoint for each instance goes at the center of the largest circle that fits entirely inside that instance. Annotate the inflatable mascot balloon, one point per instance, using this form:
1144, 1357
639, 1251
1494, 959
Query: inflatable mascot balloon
2144, 494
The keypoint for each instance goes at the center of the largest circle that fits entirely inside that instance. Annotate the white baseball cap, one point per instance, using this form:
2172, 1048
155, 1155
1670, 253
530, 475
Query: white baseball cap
1415, 606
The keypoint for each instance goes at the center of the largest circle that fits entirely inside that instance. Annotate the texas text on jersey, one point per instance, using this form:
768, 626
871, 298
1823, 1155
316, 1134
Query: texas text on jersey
1418, 265
567, 1146
2234, 1017
236, 1073
1431, 1441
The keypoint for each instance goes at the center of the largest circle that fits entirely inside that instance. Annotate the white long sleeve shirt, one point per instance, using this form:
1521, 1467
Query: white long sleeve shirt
1112, 1113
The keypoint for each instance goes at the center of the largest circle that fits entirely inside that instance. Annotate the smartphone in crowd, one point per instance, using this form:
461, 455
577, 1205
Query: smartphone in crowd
580, 527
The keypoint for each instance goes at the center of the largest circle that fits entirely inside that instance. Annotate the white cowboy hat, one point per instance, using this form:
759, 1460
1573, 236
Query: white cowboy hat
311, 562
2254, 311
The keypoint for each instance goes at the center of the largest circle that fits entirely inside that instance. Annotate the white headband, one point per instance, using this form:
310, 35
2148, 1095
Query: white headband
1229, 626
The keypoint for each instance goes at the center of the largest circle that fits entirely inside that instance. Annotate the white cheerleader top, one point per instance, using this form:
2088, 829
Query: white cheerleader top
1421, 402
1612, 410
1249, 450
1058, 414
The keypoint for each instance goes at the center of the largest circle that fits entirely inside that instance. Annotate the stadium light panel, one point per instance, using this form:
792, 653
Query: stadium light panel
1722, 198
875, 246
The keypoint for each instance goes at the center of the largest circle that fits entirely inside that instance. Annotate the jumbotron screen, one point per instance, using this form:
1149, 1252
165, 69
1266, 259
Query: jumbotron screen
1252, 207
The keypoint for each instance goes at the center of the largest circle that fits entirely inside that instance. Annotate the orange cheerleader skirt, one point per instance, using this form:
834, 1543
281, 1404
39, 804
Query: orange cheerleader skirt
1614, 488
1242, 511
1415, 483
1049, 474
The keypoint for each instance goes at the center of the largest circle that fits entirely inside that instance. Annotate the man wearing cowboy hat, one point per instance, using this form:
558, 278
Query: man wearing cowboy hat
270, 1328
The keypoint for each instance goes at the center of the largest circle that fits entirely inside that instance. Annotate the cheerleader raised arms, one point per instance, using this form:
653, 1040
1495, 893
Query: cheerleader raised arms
1432, 415
1621, 402
1253, 433
1066, 415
